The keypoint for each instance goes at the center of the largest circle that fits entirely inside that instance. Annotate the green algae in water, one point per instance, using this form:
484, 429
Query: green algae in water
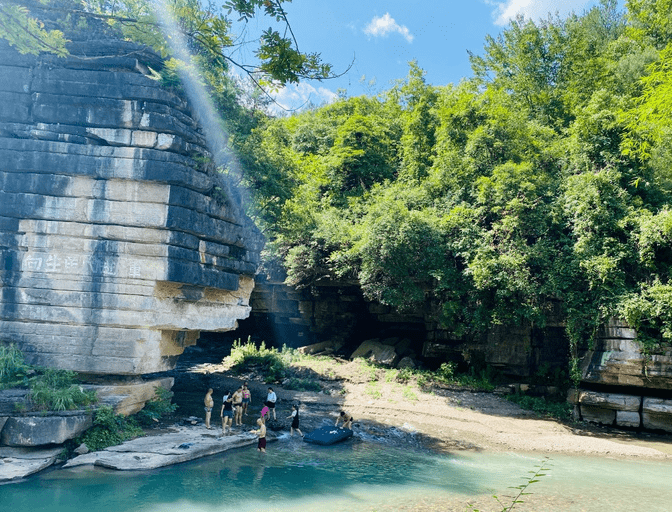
353, 476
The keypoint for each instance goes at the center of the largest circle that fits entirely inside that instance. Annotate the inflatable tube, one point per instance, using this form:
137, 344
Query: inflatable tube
327, 435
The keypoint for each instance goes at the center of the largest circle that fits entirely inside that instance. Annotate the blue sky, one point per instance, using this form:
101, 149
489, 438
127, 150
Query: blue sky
383, 36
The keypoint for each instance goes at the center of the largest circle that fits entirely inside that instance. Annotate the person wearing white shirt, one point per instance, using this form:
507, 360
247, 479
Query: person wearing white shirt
271, 398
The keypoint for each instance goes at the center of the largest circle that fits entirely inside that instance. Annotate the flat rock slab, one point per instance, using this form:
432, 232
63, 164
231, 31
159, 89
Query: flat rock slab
156, 451
18, 463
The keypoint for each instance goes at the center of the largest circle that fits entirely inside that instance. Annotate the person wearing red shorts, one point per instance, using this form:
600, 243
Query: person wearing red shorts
261, 433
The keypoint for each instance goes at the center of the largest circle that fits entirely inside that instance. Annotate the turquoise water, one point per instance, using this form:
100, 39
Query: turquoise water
354, 476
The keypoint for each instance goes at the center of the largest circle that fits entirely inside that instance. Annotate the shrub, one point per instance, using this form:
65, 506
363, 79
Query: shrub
404, 375
50, 389
109, 429
157, 407
267, 361
13, 368
445, 373
56, 390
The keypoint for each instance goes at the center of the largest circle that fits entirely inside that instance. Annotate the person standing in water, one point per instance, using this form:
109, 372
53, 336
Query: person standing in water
247, 398
209, 404
261, 433
295, 421
238, 406
227, 412
346, 418
271, 398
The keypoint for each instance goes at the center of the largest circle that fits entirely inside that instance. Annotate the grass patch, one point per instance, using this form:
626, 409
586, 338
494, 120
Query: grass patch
373, 390
302, 385
49, 389
56, 390
369, 370
560, 410
409, 394
14, 371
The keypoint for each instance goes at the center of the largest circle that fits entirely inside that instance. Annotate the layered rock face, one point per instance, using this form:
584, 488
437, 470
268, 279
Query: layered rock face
616, 360
114, 254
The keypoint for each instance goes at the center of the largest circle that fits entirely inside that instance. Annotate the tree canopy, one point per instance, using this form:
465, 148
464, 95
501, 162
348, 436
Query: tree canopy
543, 180
206, 27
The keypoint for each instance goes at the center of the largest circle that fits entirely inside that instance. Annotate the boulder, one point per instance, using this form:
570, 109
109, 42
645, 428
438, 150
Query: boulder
615, 401
376, 352
406, 362
130, 397
598, 415
41, 430
329, 347
657, 414
403, 348
82, 449
628, 419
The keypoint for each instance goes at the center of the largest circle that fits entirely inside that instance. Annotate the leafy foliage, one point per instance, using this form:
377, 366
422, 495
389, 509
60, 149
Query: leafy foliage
206, 28
13, 368
56, 390
49, 389
109, 429
247, 356
542, 182
157, 407
26, 33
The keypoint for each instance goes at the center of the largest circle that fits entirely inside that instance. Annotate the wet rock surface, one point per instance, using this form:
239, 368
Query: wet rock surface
17, 463
181, 444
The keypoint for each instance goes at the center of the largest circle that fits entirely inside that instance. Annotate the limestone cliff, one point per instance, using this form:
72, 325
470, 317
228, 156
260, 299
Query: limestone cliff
113, 253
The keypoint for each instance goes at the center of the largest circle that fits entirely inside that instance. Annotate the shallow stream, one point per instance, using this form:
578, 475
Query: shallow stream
353, 476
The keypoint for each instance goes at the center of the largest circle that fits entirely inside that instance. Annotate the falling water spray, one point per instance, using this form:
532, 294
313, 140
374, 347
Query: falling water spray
202, 104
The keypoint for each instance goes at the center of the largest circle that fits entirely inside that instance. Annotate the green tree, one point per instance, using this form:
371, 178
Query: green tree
206, 28
652, 20
417, 100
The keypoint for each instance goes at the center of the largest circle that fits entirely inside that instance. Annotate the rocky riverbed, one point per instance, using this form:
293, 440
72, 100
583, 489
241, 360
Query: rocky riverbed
442, 419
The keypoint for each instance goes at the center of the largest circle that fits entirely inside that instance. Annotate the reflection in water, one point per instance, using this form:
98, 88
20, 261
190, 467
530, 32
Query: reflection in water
355, 476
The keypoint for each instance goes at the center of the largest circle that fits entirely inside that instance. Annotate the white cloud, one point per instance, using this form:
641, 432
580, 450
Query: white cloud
295, 96
533, 9
381, 26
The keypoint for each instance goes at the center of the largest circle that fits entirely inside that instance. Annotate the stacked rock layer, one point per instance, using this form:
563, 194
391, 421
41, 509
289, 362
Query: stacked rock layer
115, 252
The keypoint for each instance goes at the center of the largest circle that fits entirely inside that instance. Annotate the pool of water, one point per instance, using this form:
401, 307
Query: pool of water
353, 476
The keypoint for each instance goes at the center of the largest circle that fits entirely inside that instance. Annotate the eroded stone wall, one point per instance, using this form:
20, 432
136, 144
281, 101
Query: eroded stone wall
113, 253
639, 385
